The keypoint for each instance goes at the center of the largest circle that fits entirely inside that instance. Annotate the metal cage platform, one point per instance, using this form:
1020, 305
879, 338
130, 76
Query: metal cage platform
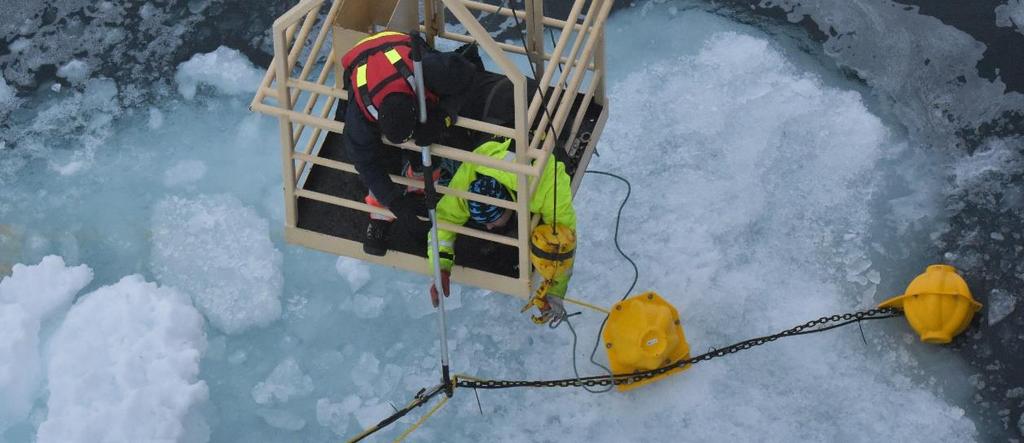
324, 207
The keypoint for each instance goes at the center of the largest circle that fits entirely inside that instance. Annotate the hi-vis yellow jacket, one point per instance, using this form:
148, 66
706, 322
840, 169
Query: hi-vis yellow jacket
455, 210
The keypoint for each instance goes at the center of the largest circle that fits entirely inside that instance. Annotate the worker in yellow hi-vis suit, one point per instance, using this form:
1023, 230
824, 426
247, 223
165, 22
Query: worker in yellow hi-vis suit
503, 185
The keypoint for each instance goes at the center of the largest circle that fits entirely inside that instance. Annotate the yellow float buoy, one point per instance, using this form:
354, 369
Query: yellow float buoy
937, 303
644, 333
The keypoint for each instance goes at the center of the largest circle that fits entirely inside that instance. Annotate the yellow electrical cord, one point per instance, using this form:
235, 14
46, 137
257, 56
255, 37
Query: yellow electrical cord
587, 305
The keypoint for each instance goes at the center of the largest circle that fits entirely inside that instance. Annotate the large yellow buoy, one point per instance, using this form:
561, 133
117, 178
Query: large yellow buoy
644, 333
937, 303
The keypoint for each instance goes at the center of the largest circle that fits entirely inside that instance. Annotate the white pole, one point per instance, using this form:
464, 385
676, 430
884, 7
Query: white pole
428, 177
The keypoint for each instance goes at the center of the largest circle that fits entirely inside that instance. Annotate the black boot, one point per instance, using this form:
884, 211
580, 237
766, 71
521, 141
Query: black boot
376, 241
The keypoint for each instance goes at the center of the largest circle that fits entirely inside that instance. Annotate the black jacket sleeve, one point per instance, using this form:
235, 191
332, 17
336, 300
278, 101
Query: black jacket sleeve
365, 149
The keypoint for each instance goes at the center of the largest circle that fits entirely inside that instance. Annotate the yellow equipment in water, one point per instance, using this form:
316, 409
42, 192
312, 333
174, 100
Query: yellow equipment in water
937, 303
644, 333
552, 249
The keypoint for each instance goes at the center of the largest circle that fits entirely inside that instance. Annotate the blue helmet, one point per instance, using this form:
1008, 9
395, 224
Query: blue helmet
484, 213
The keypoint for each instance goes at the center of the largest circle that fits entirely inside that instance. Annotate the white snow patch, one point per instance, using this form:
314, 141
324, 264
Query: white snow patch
74, 71
44, 288
124, 366
225, 69
184, 172
219, 250
355, 272
286, 381
1000, 304
30, 296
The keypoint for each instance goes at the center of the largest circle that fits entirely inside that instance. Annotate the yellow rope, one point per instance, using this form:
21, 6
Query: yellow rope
422, 420
587, 305
456, 378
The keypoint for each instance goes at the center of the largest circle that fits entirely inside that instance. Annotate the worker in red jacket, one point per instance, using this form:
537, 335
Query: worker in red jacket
382, 101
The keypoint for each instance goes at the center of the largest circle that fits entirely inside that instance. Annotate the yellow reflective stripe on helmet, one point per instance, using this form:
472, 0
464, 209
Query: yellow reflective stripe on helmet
361, 76
393, 56
378, 35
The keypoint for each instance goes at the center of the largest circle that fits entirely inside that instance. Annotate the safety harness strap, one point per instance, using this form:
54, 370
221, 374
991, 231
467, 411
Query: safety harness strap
553, 256
402, 71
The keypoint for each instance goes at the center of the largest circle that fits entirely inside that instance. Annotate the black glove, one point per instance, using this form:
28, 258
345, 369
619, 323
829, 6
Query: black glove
408, 208
432, 130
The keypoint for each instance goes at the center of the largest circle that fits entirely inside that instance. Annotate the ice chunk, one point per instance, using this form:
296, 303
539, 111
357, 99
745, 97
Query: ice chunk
365, 371
220, 252
184, 172
7, 95
225, 69
124, 366
1011, 15
30, 296
44, 288
990, 165
282, 419
414, 298
1000, 304
366, 306
1015, 393
336, 416
1020, 424
286, 381
356, 272
19, 364
74, 71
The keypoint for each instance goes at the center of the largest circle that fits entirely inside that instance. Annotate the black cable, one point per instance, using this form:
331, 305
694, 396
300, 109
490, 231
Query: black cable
636, 277
544, 105
618, 218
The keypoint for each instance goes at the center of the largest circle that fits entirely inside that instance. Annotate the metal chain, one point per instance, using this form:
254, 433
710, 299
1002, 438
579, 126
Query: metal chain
814, 326
820, 325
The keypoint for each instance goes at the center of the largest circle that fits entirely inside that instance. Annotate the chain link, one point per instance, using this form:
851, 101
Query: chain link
814, 326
